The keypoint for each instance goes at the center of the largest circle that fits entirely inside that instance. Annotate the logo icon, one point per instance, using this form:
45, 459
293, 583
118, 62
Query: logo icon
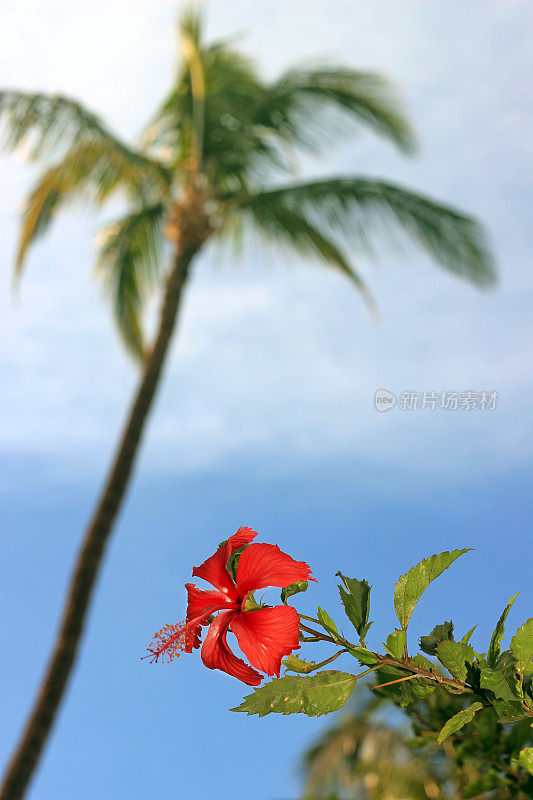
384, 400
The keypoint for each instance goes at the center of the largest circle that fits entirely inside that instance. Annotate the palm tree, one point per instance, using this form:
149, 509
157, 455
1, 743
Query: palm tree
377, 749
365, 755
211, 165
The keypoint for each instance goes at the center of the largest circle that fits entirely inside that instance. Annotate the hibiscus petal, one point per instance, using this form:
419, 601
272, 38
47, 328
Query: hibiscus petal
214, 571
201, 604
264, 565
266, 635
216, 654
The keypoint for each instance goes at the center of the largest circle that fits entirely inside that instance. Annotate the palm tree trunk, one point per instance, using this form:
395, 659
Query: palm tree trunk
54, 683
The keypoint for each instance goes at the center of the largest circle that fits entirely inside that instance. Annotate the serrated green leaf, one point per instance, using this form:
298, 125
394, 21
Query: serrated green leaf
525, 759
528, 693
496, 639
522, 648
502, 683
458, 721
440, 633
356, 601
410, 586
395, 643
505, 660
455, 656
327, 623
507, 711
416, 689
366, 657
425, 663
468, 634
314, 695
365, 630
294, 588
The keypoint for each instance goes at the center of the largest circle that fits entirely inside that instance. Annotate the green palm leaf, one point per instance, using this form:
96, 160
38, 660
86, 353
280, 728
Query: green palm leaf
287, 227
90, 173
129, 262
361, 210
303, 107
47, 126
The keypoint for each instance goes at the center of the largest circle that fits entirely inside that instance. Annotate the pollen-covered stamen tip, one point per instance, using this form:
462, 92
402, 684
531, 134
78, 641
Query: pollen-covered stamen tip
168, 643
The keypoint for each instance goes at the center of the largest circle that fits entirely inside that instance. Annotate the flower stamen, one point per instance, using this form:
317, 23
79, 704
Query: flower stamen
168, 643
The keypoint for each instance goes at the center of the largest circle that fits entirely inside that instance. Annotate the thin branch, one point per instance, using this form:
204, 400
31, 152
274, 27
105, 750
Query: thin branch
398, 680
309, 619
310, 668
318, 635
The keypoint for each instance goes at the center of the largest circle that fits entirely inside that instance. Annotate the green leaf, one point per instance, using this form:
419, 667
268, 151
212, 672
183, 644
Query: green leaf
304, 103
425, 663
458, 721
50, 125
507, 711
363, 212
294, 588
506, 659
129, 261
410, 586
327, 623
468, 634
440, 633
395, 643
455, 656
526, 759
522, 648
502, 683
356, 601
233, 561
416, 689
496, 640
314, 695
366, 657
288, 227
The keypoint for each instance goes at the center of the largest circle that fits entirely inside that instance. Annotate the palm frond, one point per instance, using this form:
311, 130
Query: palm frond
191, 23
364, 754
288, 227
47, 126
129, 262
303, 107
191, 34
362, 211
89, 173
235, 146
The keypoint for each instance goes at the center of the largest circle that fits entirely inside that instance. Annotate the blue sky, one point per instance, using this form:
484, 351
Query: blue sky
266, 415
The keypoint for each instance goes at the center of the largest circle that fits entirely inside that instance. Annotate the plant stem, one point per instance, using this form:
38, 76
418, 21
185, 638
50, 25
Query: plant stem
322, 637
309, 619
323, 663
368, 671
398, 680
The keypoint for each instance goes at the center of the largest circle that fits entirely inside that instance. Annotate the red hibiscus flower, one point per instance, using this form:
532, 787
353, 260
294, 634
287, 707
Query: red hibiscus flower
264, 634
